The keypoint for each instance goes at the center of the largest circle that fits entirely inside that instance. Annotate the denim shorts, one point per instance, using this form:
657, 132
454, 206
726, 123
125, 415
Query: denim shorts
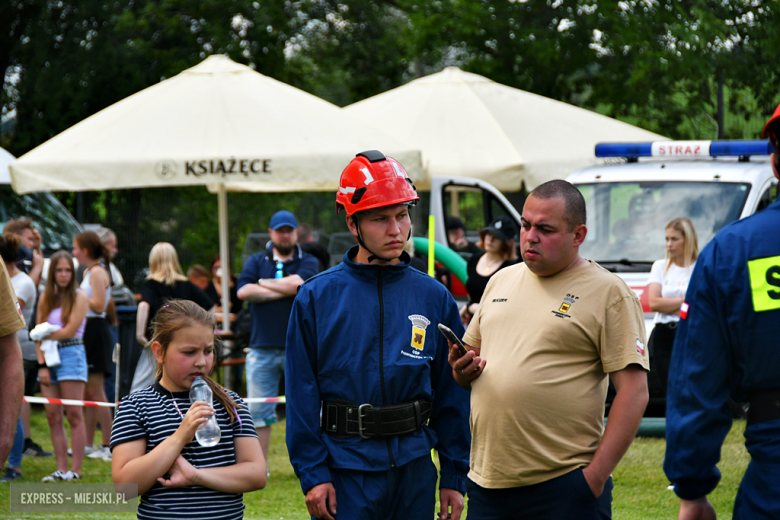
264, 367
73, 365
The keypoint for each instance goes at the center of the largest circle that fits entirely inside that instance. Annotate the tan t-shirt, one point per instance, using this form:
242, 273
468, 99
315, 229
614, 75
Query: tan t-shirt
537, 412
11, 318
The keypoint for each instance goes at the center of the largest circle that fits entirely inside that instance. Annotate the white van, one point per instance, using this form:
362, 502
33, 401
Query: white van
630, 201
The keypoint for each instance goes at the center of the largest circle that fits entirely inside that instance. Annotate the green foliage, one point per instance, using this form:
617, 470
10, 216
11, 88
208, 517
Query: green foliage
652, 63
68, 60
656, 62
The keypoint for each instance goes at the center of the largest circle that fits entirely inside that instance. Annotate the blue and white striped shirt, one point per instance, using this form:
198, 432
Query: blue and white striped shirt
152, 415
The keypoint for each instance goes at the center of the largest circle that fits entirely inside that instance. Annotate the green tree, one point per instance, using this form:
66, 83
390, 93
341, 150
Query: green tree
655, 62
67, 60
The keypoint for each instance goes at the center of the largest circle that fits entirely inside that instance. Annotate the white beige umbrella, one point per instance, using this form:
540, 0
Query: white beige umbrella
5, 160
467, 125
216, 122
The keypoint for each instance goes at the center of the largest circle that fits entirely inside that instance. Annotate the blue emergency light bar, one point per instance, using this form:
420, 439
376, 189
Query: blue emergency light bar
684, 149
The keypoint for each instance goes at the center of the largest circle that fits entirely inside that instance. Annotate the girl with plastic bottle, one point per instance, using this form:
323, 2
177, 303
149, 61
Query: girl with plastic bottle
189, 459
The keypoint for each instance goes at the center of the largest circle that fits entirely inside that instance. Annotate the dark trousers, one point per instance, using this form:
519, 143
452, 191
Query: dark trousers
567, 497
758, 497
405, 493
660, 345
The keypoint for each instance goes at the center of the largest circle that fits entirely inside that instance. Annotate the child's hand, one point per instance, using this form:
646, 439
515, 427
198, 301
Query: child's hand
198, 414
182, 473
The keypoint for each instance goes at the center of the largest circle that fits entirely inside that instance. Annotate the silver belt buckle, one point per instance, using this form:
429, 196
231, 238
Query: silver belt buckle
360, 419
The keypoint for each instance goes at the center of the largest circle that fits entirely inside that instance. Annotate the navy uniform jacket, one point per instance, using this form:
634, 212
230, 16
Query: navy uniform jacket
728, 345
368, 334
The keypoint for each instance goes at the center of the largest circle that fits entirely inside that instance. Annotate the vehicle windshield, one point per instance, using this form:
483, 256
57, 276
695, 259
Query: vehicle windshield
56, 225
626, 221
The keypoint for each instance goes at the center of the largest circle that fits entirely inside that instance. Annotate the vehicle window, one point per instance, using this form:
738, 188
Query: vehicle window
766, 199
468, 203
627, 220
496, 208
56, 225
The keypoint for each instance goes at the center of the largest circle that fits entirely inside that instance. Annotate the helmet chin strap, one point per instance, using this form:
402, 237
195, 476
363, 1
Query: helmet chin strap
373, 256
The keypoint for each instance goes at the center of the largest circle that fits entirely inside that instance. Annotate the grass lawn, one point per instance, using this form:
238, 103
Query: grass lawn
640, 484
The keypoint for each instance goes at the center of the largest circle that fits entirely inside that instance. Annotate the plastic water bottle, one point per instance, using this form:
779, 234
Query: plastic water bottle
207, 434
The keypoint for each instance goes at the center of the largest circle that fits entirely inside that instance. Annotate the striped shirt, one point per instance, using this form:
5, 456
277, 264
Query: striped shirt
152, 415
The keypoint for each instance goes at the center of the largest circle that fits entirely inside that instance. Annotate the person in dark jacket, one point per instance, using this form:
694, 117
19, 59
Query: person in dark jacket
726, 346
269, 282
369, 388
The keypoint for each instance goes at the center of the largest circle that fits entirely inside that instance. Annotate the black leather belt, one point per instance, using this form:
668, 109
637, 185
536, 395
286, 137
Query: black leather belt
70, 343
764, 406
345, 419
668, 325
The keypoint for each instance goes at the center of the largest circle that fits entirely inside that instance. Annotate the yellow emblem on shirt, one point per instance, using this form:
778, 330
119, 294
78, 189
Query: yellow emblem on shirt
419, 324
418, 338
567, 302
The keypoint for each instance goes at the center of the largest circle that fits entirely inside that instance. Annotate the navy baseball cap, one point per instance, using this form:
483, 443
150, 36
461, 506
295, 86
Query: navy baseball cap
283, 218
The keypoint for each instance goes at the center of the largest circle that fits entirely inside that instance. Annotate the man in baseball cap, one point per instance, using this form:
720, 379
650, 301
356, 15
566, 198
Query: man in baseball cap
269, 282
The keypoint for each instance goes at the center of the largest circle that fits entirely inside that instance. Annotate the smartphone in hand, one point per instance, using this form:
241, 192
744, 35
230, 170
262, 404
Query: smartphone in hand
453, 338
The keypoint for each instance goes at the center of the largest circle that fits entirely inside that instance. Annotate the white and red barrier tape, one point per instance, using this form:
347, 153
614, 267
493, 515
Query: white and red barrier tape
69, 402
74, 402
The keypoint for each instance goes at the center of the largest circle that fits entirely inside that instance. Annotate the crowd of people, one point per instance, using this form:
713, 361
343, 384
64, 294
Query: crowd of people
516, 413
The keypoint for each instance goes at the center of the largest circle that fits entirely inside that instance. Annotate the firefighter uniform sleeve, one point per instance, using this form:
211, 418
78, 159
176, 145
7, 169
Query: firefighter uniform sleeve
697, 415
308, 453
450, 414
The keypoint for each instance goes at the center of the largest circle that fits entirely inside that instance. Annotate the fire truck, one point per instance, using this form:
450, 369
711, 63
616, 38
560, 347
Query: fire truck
631, 196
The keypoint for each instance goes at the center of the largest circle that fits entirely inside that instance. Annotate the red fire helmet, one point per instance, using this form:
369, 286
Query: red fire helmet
774, 120
372, 180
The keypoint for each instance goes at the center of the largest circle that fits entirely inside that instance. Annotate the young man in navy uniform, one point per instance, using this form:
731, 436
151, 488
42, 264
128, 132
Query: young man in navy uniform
370, 392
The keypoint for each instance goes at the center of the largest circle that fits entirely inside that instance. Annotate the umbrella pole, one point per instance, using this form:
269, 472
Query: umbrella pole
224, 255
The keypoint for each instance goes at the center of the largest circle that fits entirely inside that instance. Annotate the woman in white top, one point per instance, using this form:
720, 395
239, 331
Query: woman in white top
668, 282
90, 252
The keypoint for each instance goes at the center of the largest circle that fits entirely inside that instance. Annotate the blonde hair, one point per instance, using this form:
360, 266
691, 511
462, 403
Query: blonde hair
688, 231
164, 264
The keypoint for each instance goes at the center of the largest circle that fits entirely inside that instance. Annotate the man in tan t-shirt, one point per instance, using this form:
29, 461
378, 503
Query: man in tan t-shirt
547, 334
11, 371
